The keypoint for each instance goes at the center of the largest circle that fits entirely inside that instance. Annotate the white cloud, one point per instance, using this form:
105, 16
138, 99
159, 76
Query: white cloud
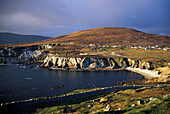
23, 18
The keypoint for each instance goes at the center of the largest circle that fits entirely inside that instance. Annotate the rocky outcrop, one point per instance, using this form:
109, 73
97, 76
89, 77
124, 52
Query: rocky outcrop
139, 64
7, 53
32, 55
93, 63
164, 74
46, 46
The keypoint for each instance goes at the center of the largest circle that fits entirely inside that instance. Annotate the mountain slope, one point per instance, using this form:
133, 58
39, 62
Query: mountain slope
107, 36
113, 36
11, 38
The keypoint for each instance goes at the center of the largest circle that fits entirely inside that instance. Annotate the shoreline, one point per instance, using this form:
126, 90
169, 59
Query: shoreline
146, 73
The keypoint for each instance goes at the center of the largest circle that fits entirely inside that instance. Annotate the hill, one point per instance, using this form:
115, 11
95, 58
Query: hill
113, 36
11, 38
105, 36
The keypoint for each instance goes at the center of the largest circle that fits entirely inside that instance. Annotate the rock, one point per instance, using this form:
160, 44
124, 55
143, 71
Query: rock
56, 86
93, 65
133, 105
119, 109
3, 61
152, 99
90, 105
72, 64
144, 65
122, 63
107, 108
7, 53
139, 103
60, 61
112, 63
45, 46
103, 100
85, 62
26, 55
166, 95
165, 74
38, 54
142, 89
32, 55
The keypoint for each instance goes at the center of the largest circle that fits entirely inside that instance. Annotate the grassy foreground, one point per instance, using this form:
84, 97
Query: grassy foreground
151, 100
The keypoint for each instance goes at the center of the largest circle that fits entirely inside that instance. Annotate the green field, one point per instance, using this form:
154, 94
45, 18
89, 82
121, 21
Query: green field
137, 52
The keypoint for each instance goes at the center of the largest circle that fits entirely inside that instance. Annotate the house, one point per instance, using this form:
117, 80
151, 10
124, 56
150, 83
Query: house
153, 47
114, 46
146, 48
91, 44
114, 53
166, 48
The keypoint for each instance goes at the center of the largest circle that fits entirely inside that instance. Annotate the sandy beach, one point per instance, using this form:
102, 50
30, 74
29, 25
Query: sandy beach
147, 73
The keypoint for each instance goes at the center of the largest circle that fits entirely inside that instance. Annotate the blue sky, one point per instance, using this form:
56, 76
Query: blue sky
58, 17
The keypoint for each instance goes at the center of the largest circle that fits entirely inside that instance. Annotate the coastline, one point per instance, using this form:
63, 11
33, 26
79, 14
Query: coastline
146, 73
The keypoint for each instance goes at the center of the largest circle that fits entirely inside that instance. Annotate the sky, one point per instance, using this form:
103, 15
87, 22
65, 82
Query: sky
60, 17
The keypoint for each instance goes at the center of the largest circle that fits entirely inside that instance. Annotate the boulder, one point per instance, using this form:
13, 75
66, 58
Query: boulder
152, 99
139, 103
107, 108
103, 100
133, 105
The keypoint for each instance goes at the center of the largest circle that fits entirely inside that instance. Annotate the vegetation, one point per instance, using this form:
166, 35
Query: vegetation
153, 100
108, 36
99, 41
150, 55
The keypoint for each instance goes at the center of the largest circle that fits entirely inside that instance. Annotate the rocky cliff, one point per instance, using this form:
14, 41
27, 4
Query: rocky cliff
93, 63
32, 55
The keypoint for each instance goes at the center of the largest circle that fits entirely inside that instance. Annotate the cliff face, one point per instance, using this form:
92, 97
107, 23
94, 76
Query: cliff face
28, 55
93, 63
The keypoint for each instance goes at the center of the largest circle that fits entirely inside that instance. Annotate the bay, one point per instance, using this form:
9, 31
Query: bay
19, 82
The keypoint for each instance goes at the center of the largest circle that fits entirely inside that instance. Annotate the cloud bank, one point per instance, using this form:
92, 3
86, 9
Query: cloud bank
56, 17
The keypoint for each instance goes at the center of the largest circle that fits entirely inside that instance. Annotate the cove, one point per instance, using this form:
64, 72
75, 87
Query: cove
19, 82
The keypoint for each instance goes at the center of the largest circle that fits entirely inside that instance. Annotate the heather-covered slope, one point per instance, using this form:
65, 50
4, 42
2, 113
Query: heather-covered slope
113, 36
108, 36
